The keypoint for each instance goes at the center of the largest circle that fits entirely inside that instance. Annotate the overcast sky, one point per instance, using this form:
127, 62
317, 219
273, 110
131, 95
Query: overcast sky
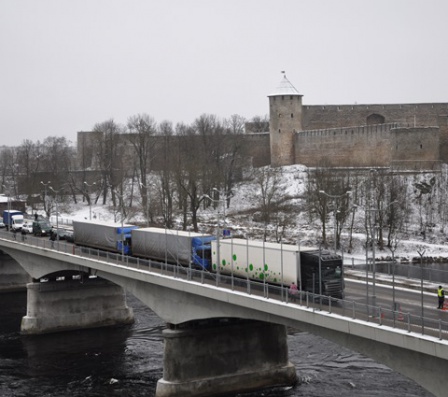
68, 64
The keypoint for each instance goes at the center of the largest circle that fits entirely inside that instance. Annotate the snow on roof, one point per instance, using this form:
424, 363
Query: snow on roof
285, 88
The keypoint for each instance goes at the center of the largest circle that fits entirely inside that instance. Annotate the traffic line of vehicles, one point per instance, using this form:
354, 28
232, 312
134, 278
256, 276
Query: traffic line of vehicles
311, 269
16, 221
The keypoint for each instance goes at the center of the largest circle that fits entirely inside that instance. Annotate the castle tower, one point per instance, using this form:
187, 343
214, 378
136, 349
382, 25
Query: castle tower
285, 118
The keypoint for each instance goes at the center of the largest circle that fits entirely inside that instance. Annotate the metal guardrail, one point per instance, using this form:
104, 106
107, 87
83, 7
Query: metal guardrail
430, 272
378, 315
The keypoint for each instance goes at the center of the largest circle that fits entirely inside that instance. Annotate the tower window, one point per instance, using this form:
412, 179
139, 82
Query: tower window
279, 130
292, 116
421, 146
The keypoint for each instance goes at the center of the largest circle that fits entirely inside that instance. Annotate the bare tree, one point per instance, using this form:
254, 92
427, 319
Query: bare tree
258, 124
109, 151
326, 192
142, 129
190, 174
167, 182
29, 157
8, 170
269, 193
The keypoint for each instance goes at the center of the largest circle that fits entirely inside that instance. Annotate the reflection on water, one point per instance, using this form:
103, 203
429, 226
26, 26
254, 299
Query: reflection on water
127, 361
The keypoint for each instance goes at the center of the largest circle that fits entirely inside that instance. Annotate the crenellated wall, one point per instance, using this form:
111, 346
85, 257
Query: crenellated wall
411, 136
415, 148
348, 147
333, 116
257, 147
335, 135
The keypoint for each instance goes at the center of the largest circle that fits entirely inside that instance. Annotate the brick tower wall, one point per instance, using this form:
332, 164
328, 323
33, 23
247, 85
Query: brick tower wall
415, 148
285, 118
443, 132
333, 116
367, 146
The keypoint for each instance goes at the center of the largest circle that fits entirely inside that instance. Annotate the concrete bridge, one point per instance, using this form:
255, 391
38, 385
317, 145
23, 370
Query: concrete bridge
222, 335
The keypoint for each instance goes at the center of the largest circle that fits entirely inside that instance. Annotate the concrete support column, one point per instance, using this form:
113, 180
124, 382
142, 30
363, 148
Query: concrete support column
12, 276
217, 358
68, 305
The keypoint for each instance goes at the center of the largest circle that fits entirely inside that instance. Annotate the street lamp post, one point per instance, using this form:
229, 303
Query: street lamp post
393, 247
57, 192
421, 252
218, 231
121, 198
373, 240
90, 201
222, 197
148, 202
9, 206
45, 195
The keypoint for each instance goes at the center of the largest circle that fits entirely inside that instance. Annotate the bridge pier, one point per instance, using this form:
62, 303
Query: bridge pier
12, 276
68, 305
223, 357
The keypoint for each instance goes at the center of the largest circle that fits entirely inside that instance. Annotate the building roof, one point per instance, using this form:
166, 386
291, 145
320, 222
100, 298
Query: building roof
285, 88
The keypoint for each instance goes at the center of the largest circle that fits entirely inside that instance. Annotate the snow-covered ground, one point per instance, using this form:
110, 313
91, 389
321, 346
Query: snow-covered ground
239, 218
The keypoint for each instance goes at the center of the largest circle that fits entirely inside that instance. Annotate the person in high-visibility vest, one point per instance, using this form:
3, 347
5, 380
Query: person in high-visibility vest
441, 296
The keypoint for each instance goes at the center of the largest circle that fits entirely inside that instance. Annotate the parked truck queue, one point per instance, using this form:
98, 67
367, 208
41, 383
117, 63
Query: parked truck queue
311, 269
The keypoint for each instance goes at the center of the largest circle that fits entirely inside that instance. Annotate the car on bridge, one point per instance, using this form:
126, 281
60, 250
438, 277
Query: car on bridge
61, 234
41, 227
27, 227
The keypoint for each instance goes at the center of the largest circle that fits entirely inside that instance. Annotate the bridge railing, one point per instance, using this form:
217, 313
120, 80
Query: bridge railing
355, 310
381, 316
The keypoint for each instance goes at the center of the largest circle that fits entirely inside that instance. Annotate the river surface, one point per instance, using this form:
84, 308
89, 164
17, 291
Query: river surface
127, 361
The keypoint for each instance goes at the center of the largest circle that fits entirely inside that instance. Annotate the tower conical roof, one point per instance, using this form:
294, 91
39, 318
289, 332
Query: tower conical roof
285, 88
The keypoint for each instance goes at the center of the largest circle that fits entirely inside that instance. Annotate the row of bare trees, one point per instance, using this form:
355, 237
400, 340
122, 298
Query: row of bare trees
160, 169
386, 205
168, 172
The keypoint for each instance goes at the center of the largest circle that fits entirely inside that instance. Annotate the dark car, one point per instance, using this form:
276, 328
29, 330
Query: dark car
61, 234
41, 227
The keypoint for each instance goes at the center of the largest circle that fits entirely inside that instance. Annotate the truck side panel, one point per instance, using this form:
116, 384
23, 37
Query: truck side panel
9, 217
95, 235
160, 244
257, 260
173, 246
101, 235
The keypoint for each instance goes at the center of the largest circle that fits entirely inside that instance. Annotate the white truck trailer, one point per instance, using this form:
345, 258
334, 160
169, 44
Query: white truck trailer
280, 264
172, 246
106, 236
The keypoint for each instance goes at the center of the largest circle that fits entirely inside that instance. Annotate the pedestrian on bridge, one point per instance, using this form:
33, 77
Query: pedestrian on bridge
441, 296
293, 291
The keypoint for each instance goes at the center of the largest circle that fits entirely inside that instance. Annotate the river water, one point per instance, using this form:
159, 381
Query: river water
127, 362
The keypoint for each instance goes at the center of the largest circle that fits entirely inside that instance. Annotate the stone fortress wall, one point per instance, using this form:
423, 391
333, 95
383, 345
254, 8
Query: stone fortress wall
320, 117
402, 136
380, 145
